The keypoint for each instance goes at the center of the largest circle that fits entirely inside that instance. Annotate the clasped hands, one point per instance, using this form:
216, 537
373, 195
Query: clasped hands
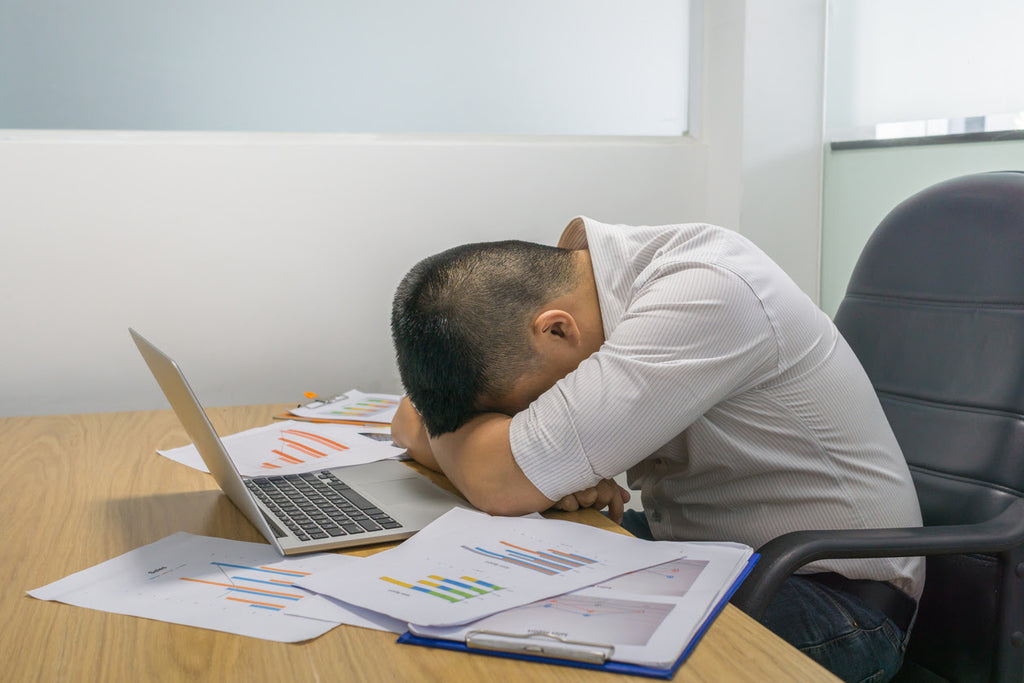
606, 493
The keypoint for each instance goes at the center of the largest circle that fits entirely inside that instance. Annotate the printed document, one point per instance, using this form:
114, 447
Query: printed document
466, 565
647, 617
214, 583
291, 447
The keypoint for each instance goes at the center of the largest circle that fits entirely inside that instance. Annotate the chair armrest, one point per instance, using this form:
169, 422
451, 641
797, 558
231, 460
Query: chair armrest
782, 556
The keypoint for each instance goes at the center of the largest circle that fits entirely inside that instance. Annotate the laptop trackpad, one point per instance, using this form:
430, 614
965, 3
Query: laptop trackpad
390, 483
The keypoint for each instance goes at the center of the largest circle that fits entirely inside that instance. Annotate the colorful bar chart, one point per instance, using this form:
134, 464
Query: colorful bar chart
365, 409
270, 589
452, 590
549, 561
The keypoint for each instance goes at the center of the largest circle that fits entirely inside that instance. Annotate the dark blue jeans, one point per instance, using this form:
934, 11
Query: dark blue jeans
837, 630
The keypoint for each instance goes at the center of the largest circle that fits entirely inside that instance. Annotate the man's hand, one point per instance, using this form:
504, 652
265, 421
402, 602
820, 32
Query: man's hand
606, 493
408, 432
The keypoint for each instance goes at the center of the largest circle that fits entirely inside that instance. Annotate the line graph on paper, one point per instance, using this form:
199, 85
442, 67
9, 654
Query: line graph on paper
583, 617
671, 578
259, 587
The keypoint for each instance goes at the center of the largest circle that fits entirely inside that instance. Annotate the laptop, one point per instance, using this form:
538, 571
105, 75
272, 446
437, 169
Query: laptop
299, 513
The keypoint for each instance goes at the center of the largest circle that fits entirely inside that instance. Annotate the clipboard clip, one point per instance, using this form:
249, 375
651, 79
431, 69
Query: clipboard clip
540, 645
317, 401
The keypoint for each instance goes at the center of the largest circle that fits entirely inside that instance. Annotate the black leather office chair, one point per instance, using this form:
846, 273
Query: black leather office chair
935, 313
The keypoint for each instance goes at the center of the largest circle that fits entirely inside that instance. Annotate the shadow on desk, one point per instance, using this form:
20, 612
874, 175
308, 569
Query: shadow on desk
143, 519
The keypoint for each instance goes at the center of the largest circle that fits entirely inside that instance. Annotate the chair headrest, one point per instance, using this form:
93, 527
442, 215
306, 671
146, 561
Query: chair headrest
958, 240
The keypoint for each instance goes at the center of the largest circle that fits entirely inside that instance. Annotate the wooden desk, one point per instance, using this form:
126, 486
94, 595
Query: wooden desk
80, 489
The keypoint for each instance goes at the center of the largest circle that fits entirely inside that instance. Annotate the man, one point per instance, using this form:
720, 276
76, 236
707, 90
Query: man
685, 356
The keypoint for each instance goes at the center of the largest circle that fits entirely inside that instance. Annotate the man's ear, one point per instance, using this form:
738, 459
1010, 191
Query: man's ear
555, 326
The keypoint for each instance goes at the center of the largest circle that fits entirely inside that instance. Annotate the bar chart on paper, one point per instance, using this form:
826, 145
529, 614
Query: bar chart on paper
260, 587
297, 446
352, 406
467, 565
545, 561
372, 409
452, 590
212, 583
291, 447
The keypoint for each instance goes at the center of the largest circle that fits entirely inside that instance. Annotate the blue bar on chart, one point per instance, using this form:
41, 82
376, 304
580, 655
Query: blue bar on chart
247, 586
548, 561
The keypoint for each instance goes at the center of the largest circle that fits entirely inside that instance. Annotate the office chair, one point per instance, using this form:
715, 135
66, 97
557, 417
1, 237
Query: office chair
935, 313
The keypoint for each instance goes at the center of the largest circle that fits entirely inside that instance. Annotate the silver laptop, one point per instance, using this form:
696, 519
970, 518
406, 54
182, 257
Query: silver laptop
299, 513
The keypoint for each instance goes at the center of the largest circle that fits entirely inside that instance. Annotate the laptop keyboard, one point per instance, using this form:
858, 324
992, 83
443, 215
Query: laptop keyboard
318, 505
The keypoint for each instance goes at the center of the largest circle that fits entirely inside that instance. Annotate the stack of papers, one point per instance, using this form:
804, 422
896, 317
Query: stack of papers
291, 447
350, 429
466, 574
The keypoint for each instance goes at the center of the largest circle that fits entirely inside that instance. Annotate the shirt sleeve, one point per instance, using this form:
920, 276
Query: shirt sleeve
692, 335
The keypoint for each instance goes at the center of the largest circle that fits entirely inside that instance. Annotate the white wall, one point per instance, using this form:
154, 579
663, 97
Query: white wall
783, 133
763, 122
265, 263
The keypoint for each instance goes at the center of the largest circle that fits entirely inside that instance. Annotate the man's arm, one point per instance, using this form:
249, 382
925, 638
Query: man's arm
478, 459
407, 432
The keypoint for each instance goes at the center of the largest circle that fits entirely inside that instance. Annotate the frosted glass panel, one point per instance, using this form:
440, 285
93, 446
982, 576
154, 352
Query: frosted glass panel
578, 67
915, 60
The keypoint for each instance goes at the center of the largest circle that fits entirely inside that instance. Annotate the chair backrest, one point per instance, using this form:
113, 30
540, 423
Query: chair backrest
935, 313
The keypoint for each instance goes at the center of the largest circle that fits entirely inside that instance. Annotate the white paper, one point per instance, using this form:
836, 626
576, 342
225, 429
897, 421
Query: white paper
353, 405
214, 583
466, 565
649, 616
292, 447
329, 609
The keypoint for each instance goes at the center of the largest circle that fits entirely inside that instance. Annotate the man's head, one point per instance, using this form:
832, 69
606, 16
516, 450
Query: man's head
461, 323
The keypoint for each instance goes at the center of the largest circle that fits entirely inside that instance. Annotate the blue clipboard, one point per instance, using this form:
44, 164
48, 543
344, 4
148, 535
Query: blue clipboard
608, 665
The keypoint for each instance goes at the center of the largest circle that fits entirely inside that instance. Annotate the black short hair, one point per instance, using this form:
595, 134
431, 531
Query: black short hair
460, 324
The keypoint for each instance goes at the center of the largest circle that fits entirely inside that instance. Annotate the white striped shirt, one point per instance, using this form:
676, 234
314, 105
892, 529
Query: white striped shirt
734, 403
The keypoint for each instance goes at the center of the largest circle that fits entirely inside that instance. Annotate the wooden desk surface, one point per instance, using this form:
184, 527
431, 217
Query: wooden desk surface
80, 489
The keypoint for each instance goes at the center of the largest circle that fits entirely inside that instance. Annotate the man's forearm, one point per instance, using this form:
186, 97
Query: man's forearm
478, 459
407, 432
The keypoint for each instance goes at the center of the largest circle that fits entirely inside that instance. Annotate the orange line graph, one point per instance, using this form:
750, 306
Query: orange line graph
316, 437
305, 449
299, 450
228, 585
285, 571
287, 458
257, 602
